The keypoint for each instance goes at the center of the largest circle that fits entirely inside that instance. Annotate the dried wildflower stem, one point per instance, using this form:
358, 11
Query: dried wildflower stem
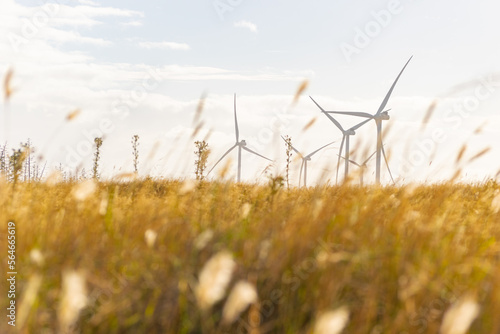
97, 156
288, 147
202, 153
135, 152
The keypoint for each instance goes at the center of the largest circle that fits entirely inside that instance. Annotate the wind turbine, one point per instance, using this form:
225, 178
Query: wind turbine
379, 116
240, 144
345, 139
363, 166
305, 159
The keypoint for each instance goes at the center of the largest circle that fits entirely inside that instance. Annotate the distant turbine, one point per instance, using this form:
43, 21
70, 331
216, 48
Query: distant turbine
240, 144
379, 116
346, 134
363, 166
305, 159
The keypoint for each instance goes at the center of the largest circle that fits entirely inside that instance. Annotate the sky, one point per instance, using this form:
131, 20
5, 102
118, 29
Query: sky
141, 68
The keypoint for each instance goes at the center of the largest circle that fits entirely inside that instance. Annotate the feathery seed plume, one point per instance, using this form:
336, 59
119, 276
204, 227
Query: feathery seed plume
214, 279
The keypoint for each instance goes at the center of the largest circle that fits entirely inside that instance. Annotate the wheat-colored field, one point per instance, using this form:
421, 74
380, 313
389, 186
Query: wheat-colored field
156, 256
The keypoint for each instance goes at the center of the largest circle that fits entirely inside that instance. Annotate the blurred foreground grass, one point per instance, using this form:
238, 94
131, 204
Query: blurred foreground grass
127, 257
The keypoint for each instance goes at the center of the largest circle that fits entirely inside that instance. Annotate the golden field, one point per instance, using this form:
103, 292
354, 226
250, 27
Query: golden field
159, 256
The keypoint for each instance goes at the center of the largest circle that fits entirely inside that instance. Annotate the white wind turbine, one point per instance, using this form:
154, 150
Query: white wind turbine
345, 139
305, 159
379, 116
363, 166
240, 144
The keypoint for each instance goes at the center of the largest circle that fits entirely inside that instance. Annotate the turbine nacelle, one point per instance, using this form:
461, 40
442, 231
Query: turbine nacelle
349, 132
307, 158
242, 143
384, 116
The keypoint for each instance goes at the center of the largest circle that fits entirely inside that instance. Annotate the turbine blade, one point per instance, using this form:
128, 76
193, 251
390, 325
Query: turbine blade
237, 131
296, 151
360, 124
338, 160
335, 121
351, 113
319, 149
368, 159
227, 152
386, 99
387, 164
354, 163
249, 150
316, 103
330, 117
351, 161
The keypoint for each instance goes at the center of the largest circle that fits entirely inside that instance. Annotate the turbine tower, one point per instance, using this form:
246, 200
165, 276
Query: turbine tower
379, 116
240, 144
345, 139
305, 159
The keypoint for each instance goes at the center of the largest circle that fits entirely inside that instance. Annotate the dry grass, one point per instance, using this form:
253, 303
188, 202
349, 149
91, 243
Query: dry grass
396, 258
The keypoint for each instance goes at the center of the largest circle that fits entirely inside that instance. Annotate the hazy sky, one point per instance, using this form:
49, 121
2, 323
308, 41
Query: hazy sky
141, 67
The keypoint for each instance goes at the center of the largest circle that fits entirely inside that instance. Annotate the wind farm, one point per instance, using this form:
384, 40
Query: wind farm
382, 114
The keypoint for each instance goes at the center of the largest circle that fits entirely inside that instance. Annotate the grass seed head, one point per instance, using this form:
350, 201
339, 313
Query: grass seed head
479, 154
83, 190
74, 299
199, 108
460, 316
428, 114
242, 295
245, 210
54, 178
303, 86
203, 239
28, 299
495, 203
187, 187
37, 257
7, 84
309, 124
214, 279
150, 237
460, 154
72, 115
332, 322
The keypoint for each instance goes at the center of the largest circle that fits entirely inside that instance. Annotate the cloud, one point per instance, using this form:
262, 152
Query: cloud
85, 15
88, 2
246, 24
24, 30
132, 24
62, 14
195, 73
164, 45
62, 36
103, 11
